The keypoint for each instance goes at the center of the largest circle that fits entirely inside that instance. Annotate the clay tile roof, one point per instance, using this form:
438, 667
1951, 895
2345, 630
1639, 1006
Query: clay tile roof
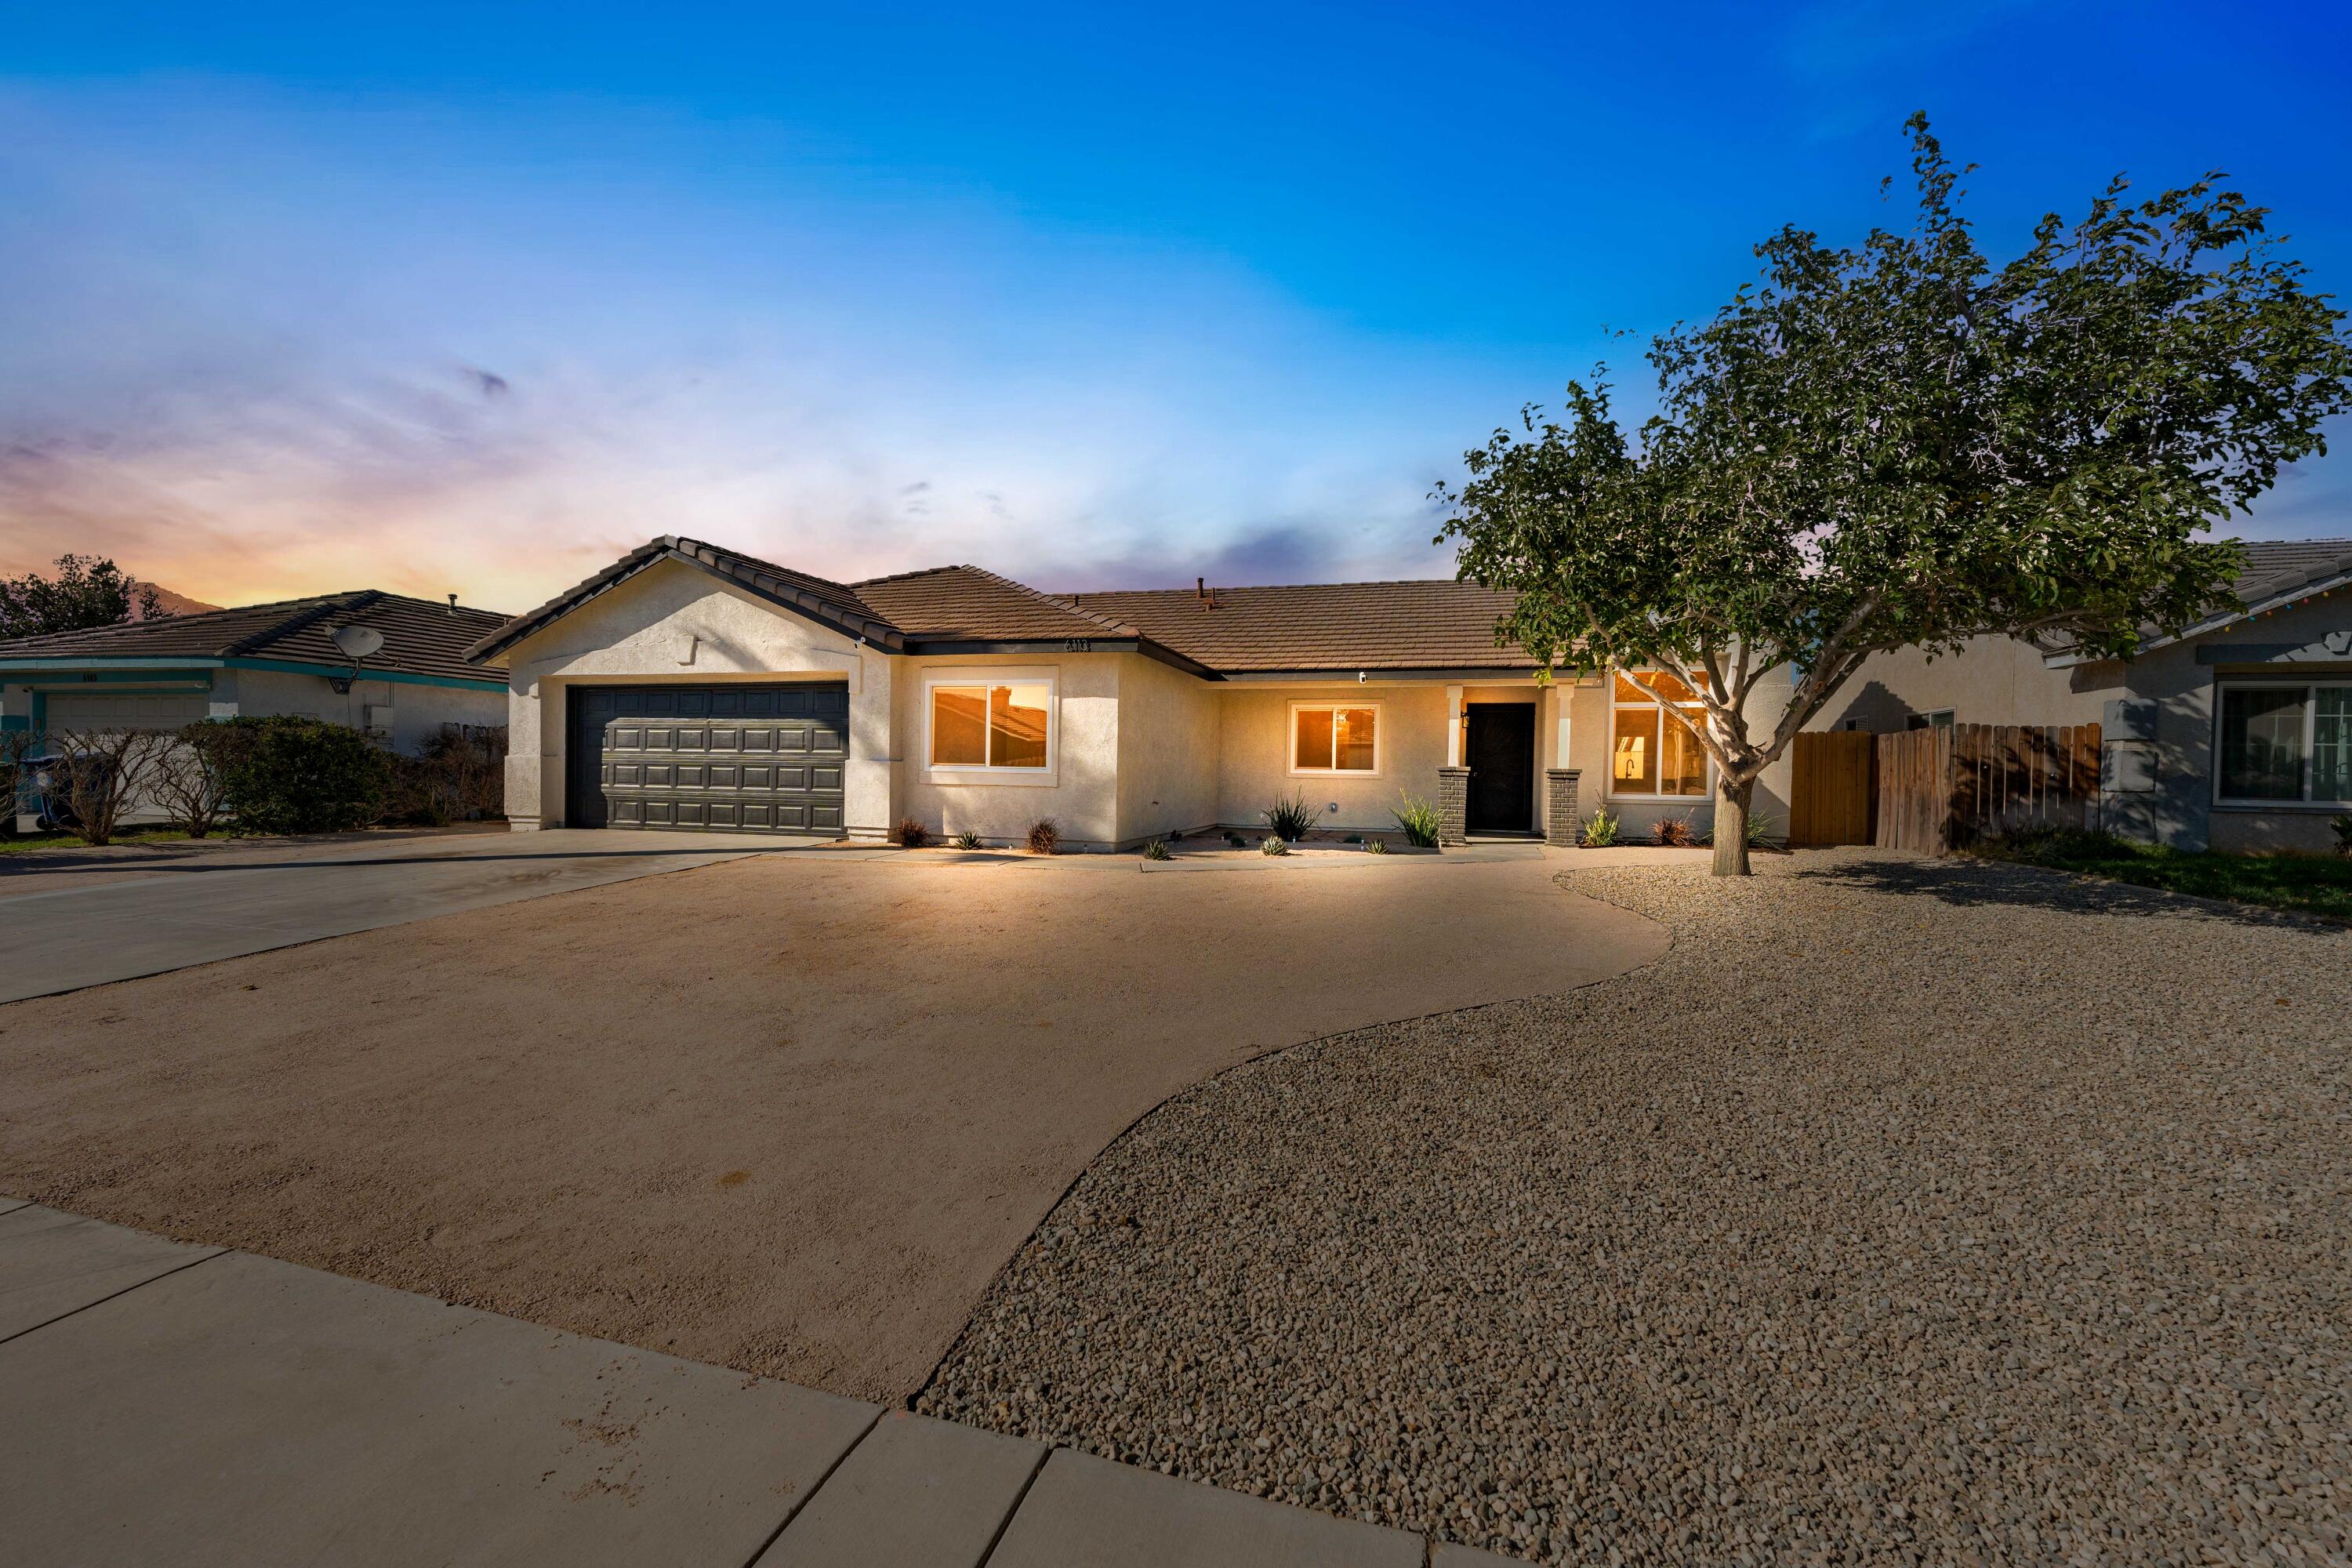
1432, 625
2276, 568
420, 636
964, 603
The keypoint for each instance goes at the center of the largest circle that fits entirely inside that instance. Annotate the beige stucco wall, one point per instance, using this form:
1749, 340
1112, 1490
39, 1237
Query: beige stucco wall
1170, 737
1079, 794
1254, 743
1991, 680
676, 624
418, 712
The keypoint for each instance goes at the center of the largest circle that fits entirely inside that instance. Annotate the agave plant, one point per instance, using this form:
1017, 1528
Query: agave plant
1156, 850
968, 840
1290, 820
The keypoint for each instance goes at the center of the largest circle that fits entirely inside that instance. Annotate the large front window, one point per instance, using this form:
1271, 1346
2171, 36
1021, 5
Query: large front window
1335, 738
2286, 743
1649, 753
1002, 724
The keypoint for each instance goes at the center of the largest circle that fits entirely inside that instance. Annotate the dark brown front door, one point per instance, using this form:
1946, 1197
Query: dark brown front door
758, 759
1500, 748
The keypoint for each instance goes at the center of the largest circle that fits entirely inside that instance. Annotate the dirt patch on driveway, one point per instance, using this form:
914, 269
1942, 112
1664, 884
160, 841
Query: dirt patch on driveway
785, 1113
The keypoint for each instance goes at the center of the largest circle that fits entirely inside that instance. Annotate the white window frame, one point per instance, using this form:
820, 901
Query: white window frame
1706, 796
1927, 720
2311, 688
1333, 705
987, 773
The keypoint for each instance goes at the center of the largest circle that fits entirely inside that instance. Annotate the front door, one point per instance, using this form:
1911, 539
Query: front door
1500, 747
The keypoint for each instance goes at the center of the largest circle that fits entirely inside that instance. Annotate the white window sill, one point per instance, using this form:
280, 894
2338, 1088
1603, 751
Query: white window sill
1030, 777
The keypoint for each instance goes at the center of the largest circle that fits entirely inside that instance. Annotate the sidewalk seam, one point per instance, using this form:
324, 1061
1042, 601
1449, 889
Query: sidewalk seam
809, 1496
102, 1300
1019, 1498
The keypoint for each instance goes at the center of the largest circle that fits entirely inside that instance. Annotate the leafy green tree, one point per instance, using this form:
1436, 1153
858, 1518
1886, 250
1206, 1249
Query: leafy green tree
1899, 442
87, 592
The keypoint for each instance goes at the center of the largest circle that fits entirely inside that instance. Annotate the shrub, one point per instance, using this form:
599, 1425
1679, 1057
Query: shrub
1043, 835
188, 783
1760, 825
97, 774
1274, 844
1235, 839
968, 840
1290, 820
285, 774
1418, 819
1601, 830
1676, 832
1157, 850
910, 834
2343, 826
1376, 846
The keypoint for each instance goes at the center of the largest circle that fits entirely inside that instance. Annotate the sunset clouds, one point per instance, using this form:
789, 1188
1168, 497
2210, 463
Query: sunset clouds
281, 313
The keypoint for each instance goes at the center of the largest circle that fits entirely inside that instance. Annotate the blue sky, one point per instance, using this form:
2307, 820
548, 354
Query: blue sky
475, 299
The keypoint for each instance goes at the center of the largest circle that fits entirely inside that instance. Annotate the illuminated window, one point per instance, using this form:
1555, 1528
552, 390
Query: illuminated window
1335, 738
1649, 753
1002, 724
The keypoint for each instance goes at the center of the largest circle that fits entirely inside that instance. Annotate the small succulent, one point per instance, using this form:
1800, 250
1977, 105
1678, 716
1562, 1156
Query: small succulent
968, 840
1271, 845
1376, 846
1157, 850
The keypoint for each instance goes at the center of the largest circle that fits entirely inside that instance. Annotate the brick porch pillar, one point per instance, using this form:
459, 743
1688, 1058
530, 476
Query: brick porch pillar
1452, 805
1560, 806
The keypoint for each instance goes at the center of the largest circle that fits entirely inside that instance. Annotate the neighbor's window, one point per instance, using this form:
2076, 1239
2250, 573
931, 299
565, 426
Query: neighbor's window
1002, 725
2286, 743
1941, 719
1649, 753
1335, 738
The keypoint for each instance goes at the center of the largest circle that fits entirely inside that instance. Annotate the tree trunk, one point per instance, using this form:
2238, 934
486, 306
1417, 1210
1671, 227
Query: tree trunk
1731, 802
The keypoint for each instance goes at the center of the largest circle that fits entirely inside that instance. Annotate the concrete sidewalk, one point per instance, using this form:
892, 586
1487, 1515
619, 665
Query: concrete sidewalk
170, 1404
197, 910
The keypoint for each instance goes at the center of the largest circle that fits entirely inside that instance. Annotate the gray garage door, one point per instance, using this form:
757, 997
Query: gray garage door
760, 759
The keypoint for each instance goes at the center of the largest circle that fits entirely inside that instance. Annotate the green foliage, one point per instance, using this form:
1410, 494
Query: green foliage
1899, 442
967, 839
1158, 850
1376, 846
2343, 826
1235, 839
1291, 819
1045, 836
1418, 819
1274, 844
284, 775
1601, 829
2307, 884
87, 592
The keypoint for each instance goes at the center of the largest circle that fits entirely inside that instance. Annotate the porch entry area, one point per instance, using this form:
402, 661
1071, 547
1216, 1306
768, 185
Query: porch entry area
1498, 746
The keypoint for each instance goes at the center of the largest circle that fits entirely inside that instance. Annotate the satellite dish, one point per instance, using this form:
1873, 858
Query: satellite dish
357, 642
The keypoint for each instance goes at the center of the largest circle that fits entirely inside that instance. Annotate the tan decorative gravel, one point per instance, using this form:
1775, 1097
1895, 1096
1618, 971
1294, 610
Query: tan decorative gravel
1902, 1212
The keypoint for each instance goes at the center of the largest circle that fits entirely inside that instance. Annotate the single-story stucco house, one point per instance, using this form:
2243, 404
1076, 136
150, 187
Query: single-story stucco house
2235, 735
260, 659
690, 686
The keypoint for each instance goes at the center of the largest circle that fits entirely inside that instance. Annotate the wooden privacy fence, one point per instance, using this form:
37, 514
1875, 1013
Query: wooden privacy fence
1941, 788
1832, 797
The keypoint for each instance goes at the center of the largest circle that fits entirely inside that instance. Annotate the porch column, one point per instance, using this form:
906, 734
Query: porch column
1560, 805
1452, 726
1453, 805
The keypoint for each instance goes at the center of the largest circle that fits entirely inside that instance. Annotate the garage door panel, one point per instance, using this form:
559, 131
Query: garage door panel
756, 759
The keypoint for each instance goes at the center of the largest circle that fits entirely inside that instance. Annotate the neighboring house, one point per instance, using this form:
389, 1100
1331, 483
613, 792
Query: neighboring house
689, 686
2236, 734
260, 659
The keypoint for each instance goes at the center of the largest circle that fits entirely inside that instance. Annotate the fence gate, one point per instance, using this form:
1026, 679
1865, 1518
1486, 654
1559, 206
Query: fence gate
1830, 796
1940, 788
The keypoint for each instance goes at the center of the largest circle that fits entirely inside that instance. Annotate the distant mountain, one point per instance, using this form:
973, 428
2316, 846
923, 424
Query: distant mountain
169, 604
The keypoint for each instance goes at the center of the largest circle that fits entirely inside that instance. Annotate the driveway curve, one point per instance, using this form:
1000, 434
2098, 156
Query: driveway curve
790, 1113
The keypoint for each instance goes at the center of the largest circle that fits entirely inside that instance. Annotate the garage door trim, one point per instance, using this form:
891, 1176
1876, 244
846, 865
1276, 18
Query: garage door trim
750, 757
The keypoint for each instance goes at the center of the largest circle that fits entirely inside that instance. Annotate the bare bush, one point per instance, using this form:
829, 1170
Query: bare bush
100, 773
187, 780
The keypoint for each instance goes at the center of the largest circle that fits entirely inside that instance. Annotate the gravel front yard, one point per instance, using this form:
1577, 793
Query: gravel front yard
1904, 1212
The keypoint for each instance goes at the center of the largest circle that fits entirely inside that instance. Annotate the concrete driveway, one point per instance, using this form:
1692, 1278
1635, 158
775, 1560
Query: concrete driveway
788, 1112
89, 919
